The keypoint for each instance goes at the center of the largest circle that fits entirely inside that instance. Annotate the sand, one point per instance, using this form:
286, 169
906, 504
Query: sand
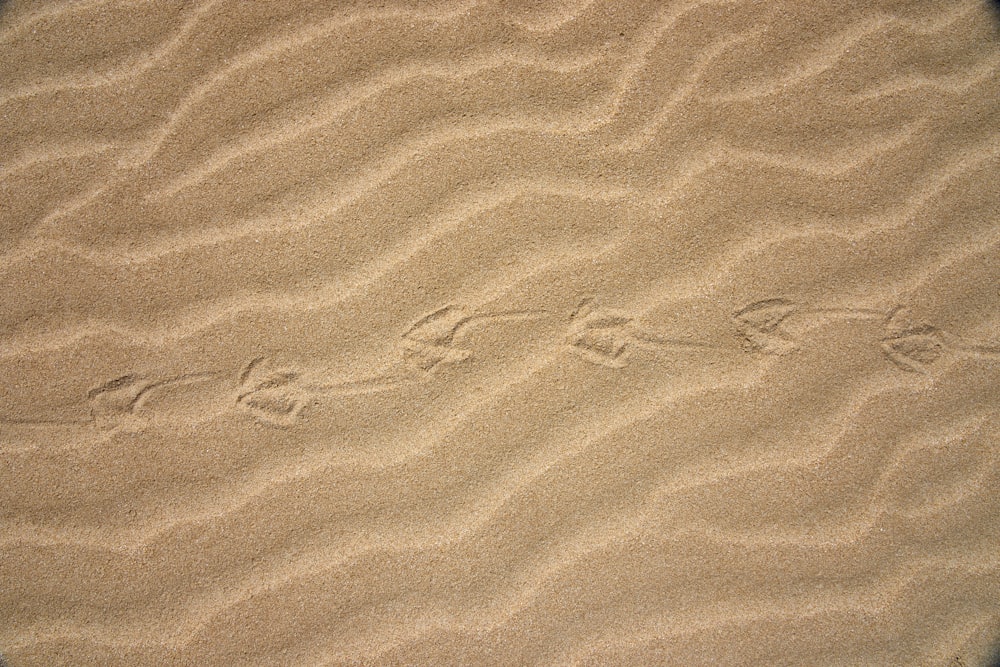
468, 333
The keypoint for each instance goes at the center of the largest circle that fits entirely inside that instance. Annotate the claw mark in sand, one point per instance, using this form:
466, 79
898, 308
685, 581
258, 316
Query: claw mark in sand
598, 335
278, 397
910, 347
759, 324
430, 342
914, 347
116, 400
605, 337
270, 397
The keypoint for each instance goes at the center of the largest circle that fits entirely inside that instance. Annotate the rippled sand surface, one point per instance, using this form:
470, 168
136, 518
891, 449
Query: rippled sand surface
474, 333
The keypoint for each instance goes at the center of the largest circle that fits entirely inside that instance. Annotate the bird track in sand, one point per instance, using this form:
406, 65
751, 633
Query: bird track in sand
601, 336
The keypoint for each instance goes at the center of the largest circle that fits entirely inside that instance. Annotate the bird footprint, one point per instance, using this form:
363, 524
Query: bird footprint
113, 401
759, 323
910, 347
271, 397
599, 335
606, 337
429, 343
913, 347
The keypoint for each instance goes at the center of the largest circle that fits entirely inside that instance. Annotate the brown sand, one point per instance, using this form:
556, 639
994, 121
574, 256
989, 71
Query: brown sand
569, 333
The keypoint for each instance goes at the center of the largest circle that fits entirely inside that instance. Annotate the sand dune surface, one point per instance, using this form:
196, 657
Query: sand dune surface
472, 333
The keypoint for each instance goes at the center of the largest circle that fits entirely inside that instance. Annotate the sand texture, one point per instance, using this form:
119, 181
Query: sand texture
475, 333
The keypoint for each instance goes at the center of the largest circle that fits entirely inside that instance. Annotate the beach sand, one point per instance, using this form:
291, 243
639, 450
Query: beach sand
473, 333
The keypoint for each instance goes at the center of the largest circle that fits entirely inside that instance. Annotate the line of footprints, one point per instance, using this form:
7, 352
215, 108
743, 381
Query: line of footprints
598, 335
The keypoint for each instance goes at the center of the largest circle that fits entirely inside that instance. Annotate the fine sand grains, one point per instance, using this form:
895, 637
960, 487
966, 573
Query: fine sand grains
476, 333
